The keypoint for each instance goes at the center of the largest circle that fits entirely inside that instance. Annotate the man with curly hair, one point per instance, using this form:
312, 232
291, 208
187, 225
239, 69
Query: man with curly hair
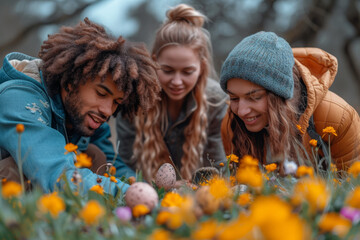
83, 76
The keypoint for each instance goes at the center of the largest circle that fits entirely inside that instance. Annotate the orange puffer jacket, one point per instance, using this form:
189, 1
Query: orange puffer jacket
318, 70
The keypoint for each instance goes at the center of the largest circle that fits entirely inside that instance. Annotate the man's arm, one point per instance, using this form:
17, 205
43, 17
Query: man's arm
42, 147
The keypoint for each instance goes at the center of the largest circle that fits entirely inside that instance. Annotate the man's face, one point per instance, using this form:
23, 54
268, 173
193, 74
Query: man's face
90, 105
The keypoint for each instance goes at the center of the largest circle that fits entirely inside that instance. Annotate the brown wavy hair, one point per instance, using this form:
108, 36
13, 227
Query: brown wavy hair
184, 26
281, 136
85, 51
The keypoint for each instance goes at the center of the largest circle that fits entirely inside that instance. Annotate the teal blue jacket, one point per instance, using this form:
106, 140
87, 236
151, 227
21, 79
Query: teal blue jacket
24, 99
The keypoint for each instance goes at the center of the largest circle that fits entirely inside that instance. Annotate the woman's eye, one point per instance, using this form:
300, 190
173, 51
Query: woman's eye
101, 94
166, 70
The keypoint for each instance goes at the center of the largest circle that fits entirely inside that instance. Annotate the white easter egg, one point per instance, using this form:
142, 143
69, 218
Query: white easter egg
165, 176
141, 193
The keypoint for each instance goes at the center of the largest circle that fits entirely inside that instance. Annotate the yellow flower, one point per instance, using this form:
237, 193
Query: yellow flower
299, 128
219, 188
333, 222
98, 189
313, 191
249, 161
205, 230
163, 217
353, 199
172, 199
11, 189
113, 179
112, 170
221, 164
271, 167
240, 228
159, 234
51, 203
140, 210
20, 128
304, 171
70, 147
106, 175
333, 167
313, 142
233, 158
329, 130
92, 212
249, 176
354, 169
244, 199
83, 160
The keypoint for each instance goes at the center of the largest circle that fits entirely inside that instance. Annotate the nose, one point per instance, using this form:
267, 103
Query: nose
107, 108
243, 108
176, 80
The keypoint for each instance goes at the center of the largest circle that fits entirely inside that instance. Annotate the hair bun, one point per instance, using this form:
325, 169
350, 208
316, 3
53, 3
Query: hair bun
186, 13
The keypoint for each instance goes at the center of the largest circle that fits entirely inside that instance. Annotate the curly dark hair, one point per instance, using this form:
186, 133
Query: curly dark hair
85, 51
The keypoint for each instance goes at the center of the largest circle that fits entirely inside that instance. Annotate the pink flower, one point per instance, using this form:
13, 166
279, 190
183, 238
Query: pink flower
350, 213
123, 213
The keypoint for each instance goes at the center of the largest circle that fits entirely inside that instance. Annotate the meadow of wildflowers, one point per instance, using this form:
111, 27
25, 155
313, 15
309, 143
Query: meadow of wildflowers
243, 201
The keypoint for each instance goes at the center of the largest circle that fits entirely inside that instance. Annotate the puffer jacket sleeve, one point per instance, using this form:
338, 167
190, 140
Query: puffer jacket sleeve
42, 147
335, 112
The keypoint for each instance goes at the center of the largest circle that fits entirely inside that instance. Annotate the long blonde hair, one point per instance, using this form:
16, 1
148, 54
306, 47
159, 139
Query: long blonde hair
184, 26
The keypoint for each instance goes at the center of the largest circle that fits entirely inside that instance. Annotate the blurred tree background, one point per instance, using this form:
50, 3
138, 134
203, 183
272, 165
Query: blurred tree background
333, 25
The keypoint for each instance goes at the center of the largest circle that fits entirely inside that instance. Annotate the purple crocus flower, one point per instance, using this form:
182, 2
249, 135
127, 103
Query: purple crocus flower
123, 213
350, 213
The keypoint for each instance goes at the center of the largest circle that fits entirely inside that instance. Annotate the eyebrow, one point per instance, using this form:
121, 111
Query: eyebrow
249, 93
108, 90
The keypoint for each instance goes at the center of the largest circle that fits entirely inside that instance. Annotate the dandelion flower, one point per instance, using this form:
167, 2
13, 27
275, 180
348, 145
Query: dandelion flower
92, 212
290, 167
70, 147
205, 230
329, 130
335, 223
20, 128
83, 161
51, 203
270, 167
160, 234
233, 158
172, 199
11, 189
313, 142
354, 169
113, 179
140, 210
304, 171
98, 189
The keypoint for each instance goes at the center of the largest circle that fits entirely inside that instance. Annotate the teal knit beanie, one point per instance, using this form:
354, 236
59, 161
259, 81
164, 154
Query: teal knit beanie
264, 59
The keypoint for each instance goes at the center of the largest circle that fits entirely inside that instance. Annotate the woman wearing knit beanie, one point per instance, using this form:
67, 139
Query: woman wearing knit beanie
280, 100
183, 129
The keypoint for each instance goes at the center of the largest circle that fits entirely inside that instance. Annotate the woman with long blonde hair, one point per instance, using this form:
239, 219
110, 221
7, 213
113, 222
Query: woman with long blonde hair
183, 128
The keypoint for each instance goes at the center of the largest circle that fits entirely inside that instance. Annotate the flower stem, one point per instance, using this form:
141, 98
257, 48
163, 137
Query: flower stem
20, 164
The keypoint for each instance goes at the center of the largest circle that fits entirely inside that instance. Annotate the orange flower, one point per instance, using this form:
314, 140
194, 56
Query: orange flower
83, 160
304, 170
249, 161
250, 176
70, 147
313, 142
271, 167
140, 210
354, 169
92, 212
233, 158
20, 128
51, 203
329, 130
98, 189
299, 128
244, 199
113, 179
112, 170
221, 164
11, 189
335, 223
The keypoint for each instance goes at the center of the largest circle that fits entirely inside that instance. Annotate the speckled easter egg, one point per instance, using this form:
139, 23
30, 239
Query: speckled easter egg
165, 176
141, 193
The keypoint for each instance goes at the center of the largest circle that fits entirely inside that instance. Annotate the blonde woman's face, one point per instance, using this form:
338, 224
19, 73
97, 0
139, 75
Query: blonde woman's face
249, 102
180, 69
